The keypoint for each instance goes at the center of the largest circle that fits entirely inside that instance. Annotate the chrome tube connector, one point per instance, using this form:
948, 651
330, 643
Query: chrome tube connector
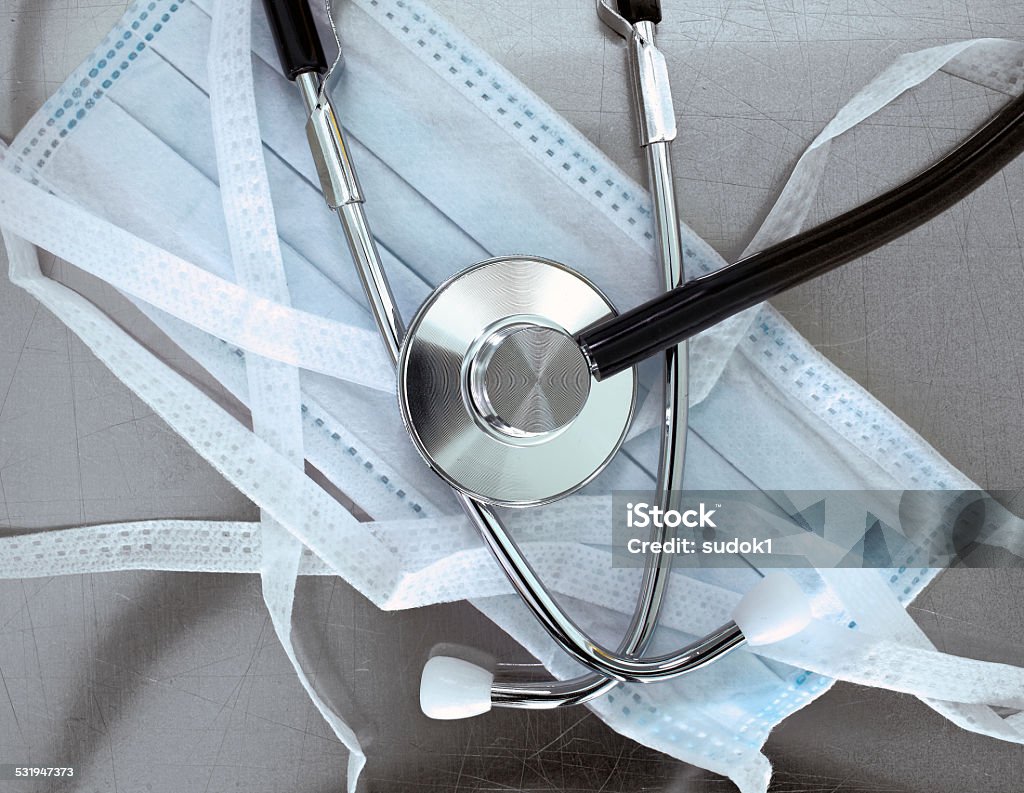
338, 179
655, 113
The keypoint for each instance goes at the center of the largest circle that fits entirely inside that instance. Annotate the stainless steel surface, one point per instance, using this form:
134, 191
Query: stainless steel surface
91, 663
666, 211
434, 377
571, 302
675, 369
371, 275
577, 642
338, 180
609, 15
655, 113
671, 455
309, 84
340, 186
508, 693
529, 380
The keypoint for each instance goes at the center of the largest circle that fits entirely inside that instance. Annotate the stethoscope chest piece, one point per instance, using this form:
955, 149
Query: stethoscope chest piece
496, 393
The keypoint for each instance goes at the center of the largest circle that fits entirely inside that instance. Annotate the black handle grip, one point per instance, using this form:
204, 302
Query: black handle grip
298, 44
634, 11
620, 342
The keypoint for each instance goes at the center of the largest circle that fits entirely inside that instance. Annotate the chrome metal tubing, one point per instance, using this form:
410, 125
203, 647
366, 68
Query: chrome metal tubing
309, 86
371, 274
510, 693
676, 381
569, 636
334, 167
511, 559
357, 230
652, 93
561, 693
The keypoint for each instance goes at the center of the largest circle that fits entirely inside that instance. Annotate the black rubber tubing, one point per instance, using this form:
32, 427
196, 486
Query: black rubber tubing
615, 344
298, 43
634, 11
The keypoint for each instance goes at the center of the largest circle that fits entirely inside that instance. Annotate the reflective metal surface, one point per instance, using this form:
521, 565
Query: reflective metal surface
507, 691
571, 637
655, 113
340, 185
338, 179
568, 431
106, 637
493, 532
609, 15
371, 274
529, 380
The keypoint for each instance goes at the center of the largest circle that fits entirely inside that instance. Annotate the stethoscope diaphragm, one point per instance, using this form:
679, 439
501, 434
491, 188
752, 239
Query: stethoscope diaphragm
497, 394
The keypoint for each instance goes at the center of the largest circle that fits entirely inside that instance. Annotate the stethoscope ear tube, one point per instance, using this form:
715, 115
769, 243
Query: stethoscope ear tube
294, 31
634, 11
489, 524
616, 344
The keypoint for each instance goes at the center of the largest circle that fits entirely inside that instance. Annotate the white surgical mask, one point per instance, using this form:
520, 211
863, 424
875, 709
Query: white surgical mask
119, 172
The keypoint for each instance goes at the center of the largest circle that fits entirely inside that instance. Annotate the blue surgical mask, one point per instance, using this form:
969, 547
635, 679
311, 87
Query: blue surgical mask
435, 124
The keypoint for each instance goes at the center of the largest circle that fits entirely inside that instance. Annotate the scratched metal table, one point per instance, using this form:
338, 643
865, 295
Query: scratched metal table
173, 682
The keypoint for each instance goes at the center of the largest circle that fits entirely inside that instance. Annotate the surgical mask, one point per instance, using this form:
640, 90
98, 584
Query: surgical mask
108, 177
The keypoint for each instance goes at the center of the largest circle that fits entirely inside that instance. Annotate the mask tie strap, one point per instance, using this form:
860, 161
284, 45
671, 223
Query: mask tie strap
219, 307
253, 466
274, 393
887, 649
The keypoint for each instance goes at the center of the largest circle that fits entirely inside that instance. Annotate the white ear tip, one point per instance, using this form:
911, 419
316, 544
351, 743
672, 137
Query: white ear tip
451, 688
773, 610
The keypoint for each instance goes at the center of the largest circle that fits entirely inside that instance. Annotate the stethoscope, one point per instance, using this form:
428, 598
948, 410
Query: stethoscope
516, 377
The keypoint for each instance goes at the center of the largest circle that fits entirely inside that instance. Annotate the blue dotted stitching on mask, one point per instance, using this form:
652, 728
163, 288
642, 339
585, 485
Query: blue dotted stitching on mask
466, 68
772, 342
359, 457
366, 464
106, 69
